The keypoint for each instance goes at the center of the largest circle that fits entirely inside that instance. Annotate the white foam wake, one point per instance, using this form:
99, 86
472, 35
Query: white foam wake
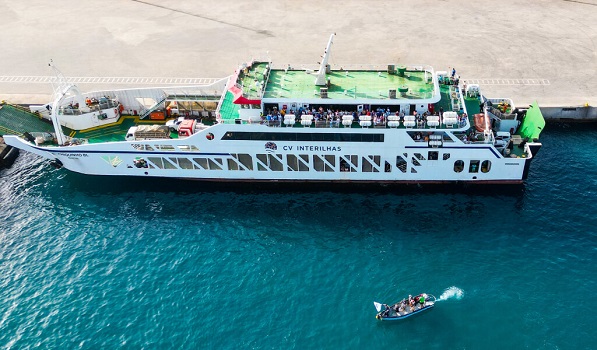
452, 293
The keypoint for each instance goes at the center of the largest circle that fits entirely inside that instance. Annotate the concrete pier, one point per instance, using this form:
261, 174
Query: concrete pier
8, 154
539, 50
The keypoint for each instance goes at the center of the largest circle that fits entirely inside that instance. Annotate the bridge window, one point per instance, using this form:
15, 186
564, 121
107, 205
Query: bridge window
485, 166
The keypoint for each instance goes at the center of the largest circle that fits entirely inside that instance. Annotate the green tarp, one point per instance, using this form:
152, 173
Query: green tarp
533, 123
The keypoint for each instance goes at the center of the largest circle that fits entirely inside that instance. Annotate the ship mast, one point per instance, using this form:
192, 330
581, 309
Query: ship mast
320, 80
61, 87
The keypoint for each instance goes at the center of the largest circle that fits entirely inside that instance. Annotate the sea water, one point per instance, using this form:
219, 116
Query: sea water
99, 262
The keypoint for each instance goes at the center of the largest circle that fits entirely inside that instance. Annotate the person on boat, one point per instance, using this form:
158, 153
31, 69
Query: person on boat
386, 312
402, 305
422, 300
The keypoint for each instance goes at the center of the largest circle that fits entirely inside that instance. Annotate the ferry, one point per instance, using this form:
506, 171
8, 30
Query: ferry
388, 124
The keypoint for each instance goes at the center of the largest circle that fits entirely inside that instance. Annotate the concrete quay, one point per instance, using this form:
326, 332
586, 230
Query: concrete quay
543, 50
8, 154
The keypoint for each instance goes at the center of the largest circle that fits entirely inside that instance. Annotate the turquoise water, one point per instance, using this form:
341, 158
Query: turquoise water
92, 262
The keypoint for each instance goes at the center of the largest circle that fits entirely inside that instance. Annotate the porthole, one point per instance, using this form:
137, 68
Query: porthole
210, 136
458, 166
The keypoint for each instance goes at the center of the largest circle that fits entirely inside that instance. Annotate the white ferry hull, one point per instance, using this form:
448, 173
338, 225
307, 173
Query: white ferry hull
396, 159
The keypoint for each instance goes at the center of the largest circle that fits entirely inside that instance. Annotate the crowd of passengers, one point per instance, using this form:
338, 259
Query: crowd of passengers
378, 116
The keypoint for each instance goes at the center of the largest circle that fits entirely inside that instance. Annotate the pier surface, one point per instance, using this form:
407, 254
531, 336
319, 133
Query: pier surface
540, 50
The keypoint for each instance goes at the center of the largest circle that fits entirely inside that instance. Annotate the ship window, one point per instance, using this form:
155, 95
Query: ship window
432, 155
388, 167
213, 165
271, 162
185, 163
165, 147
458, 166
474, 166
303, 162
263, 159
148, 148
209, 136
331, 159
168, 165
413, 170
317, 137
318, 163
352, 163
419, 156
246, 160
292, 162
344, 167
137, 146
376, 159
187, 148
157, 161
446, 156
302, 136
485, 166
232, 164
275, 163
368, 164
202, 162
401, 163
415, 162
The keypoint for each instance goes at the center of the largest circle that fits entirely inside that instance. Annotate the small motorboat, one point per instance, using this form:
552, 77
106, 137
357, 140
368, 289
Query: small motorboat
405, 308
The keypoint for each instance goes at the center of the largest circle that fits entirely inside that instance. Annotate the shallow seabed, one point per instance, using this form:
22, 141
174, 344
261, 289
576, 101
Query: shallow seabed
95, 262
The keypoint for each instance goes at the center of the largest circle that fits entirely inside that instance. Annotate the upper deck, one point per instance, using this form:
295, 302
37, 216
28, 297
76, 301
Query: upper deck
345, 84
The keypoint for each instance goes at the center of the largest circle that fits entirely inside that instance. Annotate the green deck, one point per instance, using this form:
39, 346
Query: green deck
347, 85
16, 121
228, 109
344, 84
113, 132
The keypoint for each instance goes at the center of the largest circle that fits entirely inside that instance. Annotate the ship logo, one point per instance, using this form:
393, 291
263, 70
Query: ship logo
113, 161
270, 147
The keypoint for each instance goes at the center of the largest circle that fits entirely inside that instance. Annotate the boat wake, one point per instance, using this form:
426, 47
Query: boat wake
451, 293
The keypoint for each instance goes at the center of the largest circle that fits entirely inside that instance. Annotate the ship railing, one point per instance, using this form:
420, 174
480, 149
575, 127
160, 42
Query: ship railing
337, 124
94, 107
366, 67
